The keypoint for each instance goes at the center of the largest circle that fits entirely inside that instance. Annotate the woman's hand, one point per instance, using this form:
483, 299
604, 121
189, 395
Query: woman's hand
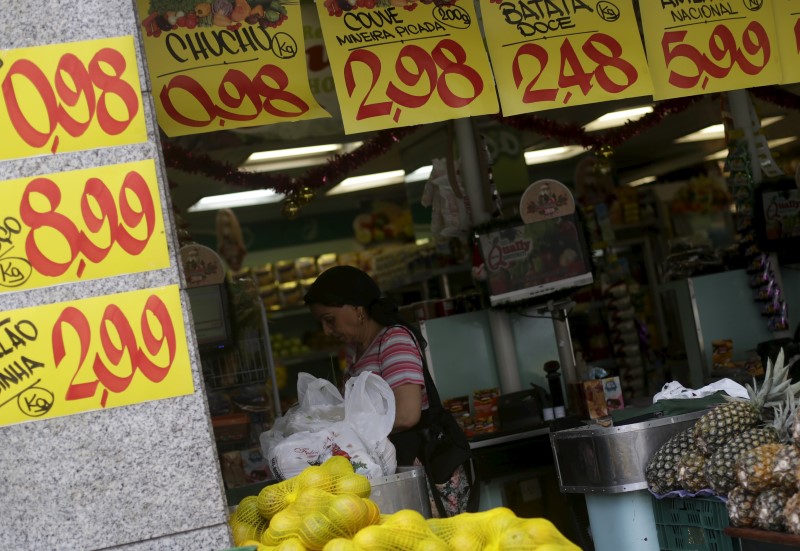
408, 406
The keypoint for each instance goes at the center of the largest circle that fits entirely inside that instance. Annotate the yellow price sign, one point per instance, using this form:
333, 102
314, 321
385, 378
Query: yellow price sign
564, 53
787, 25
95, 353
81, 225
405, 62
710, 47
226, 64
70, 97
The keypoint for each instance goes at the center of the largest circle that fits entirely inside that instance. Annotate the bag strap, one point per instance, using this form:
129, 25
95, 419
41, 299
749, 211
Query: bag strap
435, 407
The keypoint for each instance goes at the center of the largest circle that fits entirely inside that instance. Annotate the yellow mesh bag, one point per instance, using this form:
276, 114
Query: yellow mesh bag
316, 517
288, 545
335, 476
546, 536
246, 523
404, 530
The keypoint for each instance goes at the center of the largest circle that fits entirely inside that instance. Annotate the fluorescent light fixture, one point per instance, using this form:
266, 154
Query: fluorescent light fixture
368, 181
772, 144
260, 156
618, 118
298, 157
642, 181
717, 131
541, 156
233, 200
422, 173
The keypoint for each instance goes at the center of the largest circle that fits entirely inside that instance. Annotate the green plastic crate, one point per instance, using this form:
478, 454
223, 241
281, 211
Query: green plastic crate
694, 524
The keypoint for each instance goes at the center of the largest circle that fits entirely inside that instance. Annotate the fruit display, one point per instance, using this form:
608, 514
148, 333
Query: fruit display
172, 15
327, 508
747, 451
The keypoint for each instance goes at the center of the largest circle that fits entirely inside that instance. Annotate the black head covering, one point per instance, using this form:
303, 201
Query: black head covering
341, 285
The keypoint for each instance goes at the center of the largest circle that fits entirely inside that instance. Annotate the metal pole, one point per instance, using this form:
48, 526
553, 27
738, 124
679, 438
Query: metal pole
505, 353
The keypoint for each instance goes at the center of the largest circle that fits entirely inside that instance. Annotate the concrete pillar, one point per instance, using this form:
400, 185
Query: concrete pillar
139, 477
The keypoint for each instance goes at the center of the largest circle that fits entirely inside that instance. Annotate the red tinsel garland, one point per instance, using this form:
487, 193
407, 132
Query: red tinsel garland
337, 168
340, 166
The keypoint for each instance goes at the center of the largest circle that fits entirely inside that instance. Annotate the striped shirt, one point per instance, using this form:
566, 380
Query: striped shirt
393, 354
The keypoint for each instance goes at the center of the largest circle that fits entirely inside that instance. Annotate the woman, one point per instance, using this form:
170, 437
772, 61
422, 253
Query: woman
350, 307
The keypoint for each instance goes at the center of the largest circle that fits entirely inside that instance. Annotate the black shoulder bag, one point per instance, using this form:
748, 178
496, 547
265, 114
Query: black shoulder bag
438, 442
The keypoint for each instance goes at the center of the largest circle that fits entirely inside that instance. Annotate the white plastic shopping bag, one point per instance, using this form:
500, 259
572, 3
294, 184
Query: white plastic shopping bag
361, 434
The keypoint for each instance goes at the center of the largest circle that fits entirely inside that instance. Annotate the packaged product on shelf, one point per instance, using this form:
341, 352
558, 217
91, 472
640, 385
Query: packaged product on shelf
305, 266
270, 296
265, 275
325, 261
459, 408
722, 354
305, 284
484, 409
285, 271
291, 293
350, 259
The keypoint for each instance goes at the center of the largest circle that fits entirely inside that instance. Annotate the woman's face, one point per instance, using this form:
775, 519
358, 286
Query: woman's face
340, 322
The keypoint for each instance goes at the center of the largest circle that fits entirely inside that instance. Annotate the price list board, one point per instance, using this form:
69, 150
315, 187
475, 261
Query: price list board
81, 225
558, 54
697, 48
400, 66
70, 97
110, 351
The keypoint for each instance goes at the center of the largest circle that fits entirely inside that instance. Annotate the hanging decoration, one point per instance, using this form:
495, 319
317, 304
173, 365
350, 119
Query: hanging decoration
340, 166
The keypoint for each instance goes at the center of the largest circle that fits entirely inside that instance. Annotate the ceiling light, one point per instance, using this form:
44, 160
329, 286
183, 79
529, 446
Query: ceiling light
642, 181
298, 157
368, 181
772, 144
540, 156
717, 131
618, 118
422, 173
233, 200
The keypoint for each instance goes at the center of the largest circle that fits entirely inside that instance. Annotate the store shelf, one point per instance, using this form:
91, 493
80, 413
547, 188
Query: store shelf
763, 540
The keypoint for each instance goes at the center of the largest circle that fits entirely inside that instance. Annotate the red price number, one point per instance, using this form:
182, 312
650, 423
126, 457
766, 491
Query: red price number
90, 92
607, 69
239, 98
120, 348
414, 65
723, 54
109, 222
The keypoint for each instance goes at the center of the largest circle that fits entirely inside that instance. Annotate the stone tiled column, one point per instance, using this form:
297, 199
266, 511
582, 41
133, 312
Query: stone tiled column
137, 477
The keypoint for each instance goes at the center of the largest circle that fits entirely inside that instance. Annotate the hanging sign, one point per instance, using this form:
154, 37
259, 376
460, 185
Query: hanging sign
70, 97
226, 64
556, 54
405, 62
701, 47
787, 25
95, 353
80, 225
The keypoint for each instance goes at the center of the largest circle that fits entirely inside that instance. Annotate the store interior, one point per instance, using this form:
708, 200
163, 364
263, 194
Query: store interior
666, 194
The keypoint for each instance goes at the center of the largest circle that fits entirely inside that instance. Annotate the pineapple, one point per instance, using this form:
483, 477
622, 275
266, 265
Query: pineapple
720, 468
791, 513
717, 426
769, 507
785, 466
690, 471
754, 467
741, 507
661, 472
